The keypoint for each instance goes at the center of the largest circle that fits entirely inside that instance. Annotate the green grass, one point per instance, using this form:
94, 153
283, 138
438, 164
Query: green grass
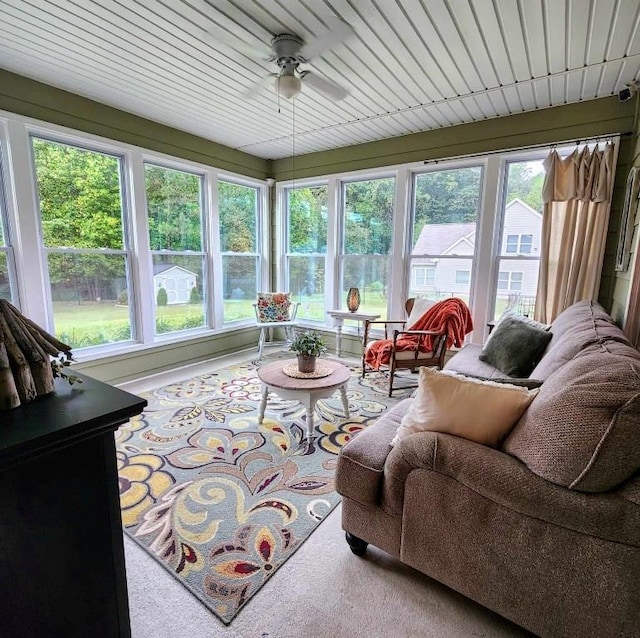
94, 323
88, 324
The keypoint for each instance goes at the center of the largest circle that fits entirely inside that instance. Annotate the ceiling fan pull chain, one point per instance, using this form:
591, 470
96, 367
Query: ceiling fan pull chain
293, 143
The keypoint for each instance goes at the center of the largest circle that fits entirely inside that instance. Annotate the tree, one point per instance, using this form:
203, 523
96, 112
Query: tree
80, 207
162, 298
174, 209
447, 197
525, 184
238, 209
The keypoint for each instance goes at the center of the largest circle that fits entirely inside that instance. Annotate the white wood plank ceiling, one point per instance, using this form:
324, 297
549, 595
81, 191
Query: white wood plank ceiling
409, 65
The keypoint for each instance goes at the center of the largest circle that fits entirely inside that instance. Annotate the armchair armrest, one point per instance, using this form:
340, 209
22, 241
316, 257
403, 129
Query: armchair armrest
385, 323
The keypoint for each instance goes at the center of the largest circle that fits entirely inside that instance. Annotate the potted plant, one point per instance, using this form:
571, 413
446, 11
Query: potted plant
308, 345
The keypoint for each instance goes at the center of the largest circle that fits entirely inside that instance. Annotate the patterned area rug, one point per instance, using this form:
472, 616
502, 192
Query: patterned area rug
221, 502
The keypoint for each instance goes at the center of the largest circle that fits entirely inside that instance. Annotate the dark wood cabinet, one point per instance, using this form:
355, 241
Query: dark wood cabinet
62, 569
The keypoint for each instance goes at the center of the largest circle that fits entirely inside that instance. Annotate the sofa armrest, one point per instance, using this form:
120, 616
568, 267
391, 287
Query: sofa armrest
361, 461
506, 481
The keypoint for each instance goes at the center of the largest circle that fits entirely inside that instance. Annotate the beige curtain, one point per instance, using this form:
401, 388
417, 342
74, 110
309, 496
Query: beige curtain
577, 199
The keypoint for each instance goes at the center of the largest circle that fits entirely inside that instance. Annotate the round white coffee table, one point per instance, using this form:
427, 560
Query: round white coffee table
306, 391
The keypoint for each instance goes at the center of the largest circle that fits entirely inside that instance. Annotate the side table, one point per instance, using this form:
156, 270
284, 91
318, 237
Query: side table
338, 319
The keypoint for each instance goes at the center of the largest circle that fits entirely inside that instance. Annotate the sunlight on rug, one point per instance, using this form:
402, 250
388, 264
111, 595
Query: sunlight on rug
221, 502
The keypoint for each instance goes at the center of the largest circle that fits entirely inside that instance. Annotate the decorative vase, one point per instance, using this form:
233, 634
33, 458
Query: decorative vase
353, 299
306, 363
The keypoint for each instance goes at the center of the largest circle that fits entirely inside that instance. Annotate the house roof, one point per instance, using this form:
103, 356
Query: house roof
438, 239
203, 67
160, 268
442, 239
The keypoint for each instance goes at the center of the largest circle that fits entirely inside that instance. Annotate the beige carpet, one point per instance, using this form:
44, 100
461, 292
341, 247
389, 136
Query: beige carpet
323, 591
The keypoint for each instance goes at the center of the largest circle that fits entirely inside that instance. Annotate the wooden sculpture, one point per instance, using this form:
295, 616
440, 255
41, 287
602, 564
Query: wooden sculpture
26, 367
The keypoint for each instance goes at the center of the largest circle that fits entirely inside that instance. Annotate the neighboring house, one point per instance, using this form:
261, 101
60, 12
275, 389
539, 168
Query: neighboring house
443, 255
176, 280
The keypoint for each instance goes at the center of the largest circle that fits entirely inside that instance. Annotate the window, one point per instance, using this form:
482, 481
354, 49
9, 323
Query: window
526, 244
511, 244
6, 253
83, 231
521, 216
510, 281
239, 232
518, 244
306, 247
367, 229
445, 213
174, 210
424, 276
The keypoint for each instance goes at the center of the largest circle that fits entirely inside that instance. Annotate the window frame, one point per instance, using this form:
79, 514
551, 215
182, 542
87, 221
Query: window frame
6, 231
126, 252
288, 255
31, 273
202, 253
258, 254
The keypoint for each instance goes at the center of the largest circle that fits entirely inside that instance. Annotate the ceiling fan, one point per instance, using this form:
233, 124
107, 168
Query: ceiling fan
289, 51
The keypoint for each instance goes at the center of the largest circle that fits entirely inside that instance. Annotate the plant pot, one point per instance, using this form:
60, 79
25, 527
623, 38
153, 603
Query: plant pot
306, 363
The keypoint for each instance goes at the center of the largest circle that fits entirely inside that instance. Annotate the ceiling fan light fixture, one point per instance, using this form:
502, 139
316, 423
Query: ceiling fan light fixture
288, 86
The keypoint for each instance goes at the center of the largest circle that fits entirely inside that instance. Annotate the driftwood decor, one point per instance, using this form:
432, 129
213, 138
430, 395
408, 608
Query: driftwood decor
26, 366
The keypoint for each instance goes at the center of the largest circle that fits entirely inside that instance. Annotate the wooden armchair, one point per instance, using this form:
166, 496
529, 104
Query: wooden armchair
405, 359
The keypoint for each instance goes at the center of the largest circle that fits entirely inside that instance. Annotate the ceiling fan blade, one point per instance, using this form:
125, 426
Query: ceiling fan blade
327, 87
218, 35
257, 90
337, 33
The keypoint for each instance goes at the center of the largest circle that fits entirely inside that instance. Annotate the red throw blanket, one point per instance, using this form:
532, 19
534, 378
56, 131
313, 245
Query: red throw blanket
451, 316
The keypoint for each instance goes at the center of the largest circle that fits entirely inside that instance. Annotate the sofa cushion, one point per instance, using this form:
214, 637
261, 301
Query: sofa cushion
509, 312
420, 306
481, 411
273, 306
583, 429
466, 361
515, 347
591, 325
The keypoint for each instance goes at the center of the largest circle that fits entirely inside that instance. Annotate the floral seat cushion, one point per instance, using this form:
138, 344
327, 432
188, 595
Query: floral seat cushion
273, 306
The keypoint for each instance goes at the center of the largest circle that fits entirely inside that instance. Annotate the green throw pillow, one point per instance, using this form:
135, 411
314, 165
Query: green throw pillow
515, 347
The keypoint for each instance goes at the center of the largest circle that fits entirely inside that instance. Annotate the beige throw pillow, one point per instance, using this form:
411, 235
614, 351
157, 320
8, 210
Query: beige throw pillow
481, 411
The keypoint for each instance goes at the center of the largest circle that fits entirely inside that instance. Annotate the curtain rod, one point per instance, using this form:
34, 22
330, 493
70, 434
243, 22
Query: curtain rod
582, 140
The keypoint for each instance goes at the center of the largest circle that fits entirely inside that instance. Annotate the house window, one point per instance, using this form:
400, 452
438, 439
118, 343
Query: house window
367, 229
526, 244
174, 211
445, 213
239, 230
85, 240
424, 276
510, 281
306, 248
518, 244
